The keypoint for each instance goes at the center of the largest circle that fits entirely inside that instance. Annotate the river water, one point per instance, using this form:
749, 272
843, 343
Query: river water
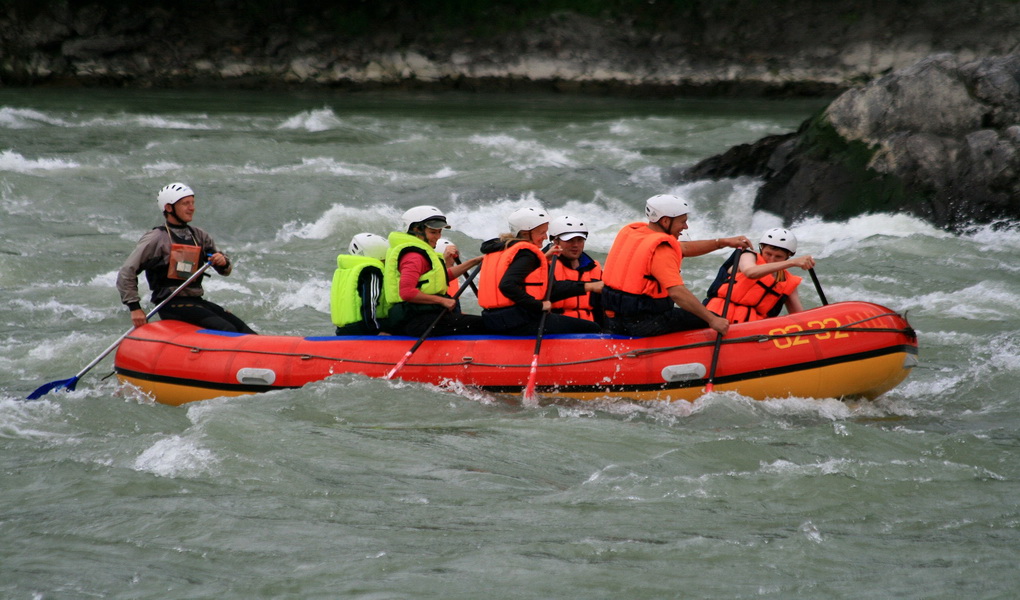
356, 488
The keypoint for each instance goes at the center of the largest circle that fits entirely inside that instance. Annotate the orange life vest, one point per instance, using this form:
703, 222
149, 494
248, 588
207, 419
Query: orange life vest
628, 265
578, 306
630, 290
753, 299
494, 266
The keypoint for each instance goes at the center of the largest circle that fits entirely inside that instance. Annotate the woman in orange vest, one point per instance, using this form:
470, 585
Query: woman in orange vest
762, 285
574, 264
515, 276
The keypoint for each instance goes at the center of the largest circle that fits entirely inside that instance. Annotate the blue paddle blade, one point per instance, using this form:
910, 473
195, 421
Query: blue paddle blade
68, 384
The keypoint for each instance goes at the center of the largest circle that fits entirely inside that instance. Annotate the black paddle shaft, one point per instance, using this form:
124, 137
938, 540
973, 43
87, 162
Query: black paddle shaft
818, 287
725, 310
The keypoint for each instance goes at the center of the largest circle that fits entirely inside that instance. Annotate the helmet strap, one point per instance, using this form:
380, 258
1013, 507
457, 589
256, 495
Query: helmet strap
173, 213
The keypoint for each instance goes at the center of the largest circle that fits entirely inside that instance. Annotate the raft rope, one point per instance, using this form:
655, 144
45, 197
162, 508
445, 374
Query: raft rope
759, 338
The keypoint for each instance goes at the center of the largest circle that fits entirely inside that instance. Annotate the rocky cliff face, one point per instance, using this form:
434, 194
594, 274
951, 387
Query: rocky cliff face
939, 139
732, 46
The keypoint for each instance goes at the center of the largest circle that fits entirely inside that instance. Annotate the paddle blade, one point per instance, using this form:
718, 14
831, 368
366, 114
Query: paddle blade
400, 364
529, 391
66, 384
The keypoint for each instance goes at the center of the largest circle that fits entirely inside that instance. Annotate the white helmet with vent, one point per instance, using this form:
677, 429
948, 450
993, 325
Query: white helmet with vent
665, 205
567, 228
370, 245
526, 219
429, 216
780, 238
170, 194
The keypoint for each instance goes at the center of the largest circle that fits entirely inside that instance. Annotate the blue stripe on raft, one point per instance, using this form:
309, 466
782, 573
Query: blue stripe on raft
555, 336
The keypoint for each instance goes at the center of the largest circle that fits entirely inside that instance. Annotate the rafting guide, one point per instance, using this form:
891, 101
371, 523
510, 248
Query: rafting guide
169, 254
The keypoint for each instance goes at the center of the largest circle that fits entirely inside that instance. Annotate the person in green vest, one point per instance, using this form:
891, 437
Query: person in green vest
416, 279
356, 301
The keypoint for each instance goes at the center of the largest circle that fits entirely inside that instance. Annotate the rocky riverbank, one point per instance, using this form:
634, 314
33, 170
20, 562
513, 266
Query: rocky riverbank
747, 47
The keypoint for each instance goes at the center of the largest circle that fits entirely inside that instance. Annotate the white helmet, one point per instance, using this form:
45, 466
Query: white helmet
526, 219
430, 216
441, 245
780, 238
665, 205
567, 228
370, 245
170, 194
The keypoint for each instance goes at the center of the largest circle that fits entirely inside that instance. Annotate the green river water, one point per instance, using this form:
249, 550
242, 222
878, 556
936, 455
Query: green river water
358, 488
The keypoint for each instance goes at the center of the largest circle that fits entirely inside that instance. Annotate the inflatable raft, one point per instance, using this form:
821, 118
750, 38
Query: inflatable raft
842, 350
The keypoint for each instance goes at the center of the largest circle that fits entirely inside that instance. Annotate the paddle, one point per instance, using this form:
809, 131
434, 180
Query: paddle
400, 365
710, 385
529, 391
69, 384
474, 288
818, 286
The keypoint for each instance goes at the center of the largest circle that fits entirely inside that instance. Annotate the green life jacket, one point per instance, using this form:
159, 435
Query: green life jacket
345, 299
432, 281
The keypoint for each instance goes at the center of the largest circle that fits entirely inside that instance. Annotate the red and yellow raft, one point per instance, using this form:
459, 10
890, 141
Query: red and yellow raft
842, 350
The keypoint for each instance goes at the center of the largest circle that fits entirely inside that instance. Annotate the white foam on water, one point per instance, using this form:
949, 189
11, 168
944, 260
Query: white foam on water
103, 280
73, 343
201, 122
472, 393
647, 177
174, 457
1005, 350
20, 418
322, 119
994, 237
126, 120
339, 218
17, 163
27, 118
830, 409
834, 466
987, 300
523, 154
160, 167
56, 307
323, 164
218, 284
834, 238
312, 293
443, 173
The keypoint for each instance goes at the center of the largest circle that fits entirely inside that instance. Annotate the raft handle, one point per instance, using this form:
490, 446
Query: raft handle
684, 372
253, 376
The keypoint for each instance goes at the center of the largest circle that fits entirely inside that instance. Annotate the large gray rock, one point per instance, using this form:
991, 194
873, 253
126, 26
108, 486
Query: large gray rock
939, 139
